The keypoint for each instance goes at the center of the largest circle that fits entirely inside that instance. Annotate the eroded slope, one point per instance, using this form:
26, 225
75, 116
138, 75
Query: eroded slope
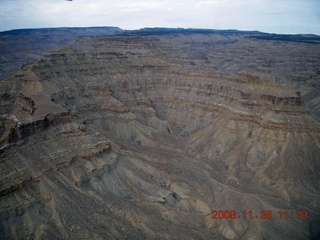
125, 136
24, 46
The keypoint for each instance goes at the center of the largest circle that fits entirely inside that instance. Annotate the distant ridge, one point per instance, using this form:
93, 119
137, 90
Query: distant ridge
163, 30
77, 30
28, 45
307, 38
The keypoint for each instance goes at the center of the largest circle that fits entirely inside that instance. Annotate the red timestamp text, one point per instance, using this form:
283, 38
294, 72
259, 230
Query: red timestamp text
263, 214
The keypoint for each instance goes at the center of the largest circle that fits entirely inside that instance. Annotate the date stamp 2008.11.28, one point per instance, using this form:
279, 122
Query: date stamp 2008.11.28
262, 215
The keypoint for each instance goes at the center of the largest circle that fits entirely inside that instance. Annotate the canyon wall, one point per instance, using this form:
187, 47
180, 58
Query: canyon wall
144, 134
25, 46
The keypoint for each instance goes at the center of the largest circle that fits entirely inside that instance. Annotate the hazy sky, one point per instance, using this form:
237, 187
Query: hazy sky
274, 16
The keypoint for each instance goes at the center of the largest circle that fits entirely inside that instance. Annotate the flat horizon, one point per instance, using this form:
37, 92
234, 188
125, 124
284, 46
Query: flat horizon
279, 17
160, 27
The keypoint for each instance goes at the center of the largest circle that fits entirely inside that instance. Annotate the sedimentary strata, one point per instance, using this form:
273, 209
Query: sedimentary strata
142, 135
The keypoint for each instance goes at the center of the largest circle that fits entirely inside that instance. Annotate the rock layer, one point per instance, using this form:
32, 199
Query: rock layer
24, 46
143, 135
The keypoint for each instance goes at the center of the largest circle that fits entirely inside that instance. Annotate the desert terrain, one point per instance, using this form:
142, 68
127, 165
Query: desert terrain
144, 134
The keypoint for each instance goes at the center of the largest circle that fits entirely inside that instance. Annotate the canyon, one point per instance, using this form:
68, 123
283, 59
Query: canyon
143, 134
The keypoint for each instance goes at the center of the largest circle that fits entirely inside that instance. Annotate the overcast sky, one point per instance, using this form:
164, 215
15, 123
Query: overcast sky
273, 16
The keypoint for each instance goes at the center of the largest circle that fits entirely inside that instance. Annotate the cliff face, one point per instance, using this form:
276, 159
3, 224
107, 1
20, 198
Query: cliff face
143, 135
19, 47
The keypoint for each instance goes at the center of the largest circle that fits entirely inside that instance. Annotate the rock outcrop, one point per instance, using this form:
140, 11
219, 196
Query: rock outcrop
25, 46
144, 134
